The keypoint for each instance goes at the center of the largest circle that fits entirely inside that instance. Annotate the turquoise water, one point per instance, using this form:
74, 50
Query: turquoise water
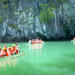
50, 58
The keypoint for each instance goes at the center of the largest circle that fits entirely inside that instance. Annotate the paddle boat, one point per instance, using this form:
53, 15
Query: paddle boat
10, 52
5, 58
35, 41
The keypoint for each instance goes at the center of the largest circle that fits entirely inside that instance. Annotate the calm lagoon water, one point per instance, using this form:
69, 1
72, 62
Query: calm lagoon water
49, 58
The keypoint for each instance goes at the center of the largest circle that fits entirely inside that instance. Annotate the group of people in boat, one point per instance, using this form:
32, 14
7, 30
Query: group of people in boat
9, 51
35, 41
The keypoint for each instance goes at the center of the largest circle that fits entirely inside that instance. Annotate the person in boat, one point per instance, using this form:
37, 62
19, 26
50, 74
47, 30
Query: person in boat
14, 48
17, 47
10, 51
15, 51
40, 41
1, 53
5, 52
5, 46
30, 41
37, 41
34, 41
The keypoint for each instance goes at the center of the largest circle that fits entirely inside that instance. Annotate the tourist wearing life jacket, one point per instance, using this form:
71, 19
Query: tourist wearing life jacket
40, 41
1, 53
10, 51
14, 49
37, 39
5, 46
5, 52
17, 47
30, 41
34, 41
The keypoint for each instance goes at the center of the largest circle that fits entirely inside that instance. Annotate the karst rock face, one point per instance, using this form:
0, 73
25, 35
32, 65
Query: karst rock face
19, 21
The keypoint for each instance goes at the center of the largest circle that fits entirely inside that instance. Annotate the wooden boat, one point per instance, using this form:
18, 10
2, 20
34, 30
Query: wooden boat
11, 57
35, 42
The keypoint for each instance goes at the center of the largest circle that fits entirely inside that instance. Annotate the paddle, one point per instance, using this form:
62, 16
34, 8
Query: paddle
13, 56
22, 53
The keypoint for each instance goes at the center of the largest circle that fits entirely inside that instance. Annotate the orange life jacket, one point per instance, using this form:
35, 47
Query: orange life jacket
1, 53
11, 51
14, 49
6, 54
16, 52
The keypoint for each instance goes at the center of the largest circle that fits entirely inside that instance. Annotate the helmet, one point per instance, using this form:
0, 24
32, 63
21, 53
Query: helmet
4, 48
9, 47
13, 45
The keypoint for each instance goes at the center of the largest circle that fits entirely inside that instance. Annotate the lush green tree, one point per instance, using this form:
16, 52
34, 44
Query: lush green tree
57, 4
46, 14
1, 19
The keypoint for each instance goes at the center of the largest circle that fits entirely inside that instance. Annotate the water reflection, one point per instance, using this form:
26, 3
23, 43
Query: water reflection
35, 48
4, 66
8, 63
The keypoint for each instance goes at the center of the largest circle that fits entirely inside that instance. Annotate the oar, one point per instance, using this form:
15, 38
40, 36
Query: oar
12, 57
22, 53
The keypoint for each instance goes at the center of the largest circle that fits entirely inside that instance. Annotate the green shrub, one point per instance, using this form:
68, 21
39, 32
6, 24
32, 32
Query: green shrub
4, 1
46, 14
1, 19
13, 4
5, 6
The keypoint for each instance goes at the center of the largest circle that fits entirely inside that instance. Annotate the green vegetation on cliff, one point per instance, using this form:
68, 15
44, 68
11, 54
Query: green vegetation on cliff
1, 19
46, 14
